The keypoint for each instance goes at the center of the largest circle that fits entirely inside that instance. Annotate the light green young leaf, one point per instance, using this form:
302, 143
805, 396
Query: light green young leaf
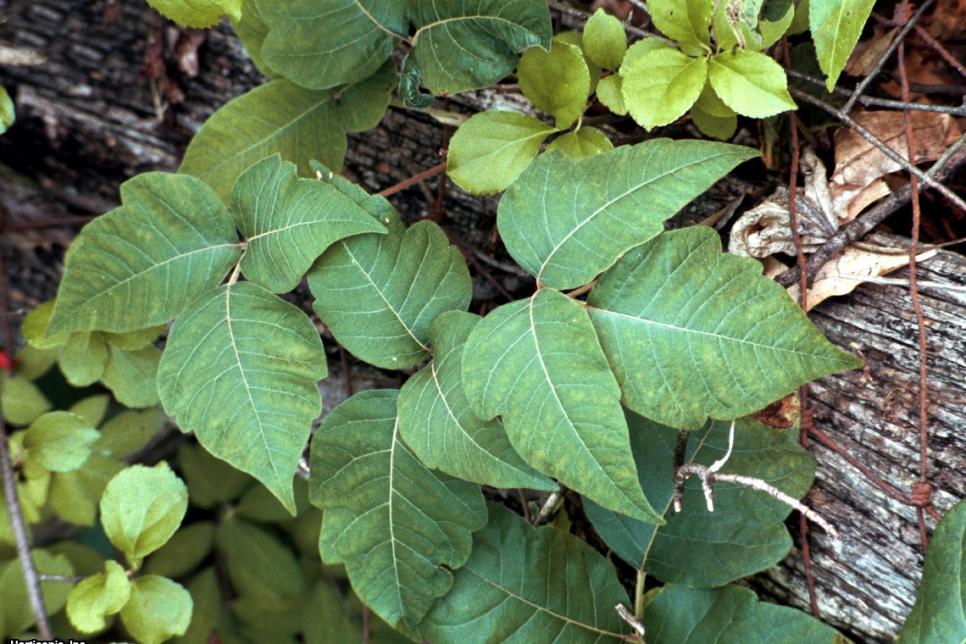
32, 363
836, 27
132, 376
326, 43
59, 441
399, 528
141, 508
141, 264
576, 38
523, 584
661, 85
641, 47
34, 328
211, 481
692, 332
92, 409
490, 150
74, 495
712, 116
750, 83
682, 615
182, 554
473, 43
378, 294
7, 113
260, 566
206, 609
240, 371
21, 401
604, 40
610, 93
251, 31
566, 221
158, 609
538, 365
15, 612
134, 340
84, 358
773, 27
746, 532
91, 601
939, 614
276, 118
686, 21
437, 423
582, 143
129, 432
199, 14
556, 82
288, 222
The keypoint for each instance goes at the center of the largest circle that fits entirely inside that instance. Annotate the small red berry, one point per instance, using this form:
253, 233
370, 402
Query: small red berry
6, 362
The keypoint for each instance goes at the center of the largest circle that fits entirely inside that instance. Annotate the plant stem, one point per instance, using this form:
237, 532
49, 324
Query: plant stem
411, 181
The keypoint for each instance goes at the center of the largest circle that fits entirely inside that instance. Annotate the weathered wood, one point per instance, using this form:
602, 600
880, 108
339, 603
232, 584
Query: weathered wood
88, 119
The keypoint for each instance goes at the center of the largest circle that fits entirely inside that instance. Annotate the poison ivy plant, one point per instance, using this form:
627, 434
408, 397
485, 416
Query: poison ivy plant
836, 26
7, 113
190, 295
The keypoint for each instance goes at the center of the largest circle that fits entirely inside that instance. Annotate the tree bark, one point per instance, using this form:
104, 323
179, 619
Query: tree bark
91, 117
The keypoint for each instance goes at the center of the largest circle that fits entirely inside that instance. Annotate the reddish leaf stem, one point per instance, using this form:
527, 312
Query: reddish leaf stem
411, 181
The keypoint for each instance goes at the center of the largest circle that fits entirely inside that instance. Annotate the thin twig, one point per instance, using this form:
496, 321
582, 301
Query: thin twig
882, 102
881, 146
865, 82
917, 305
15, 514
411, 181
577, 292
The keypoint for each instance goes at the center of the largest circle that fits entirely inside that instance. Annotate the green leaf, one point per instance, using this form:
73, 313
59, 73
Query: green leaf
7, 114
468, 44
538, 365
240, 371
836, 27
325, 619
327, 43
187, 548
34, 328
682, 615
735, 24
99, 596
693, 332
378, 294
566, 221
21, 401
15, 612
259, 504
684, 21
363, 104
211, 481
276, 118
206, 610
134, 340
576, 38
750, 83
773, 27
399, 528
582, 143
556, 82
251, 31
604, 40
141, 264
529, 585
141, 508
259, 565
660, 86
158, 609
939, 614
74, 495
60, 441
288, 222
198, 13
712, 116
490, 150
32, 363
610, 94
129, 432
92, 409
83, 359
132, 376
437, 423
746, 532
